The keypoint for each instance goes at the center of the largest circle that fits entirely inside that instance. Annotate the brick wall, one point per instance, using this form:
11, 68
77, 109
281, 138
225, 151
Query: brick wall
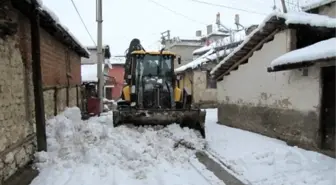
54, 58
61, 67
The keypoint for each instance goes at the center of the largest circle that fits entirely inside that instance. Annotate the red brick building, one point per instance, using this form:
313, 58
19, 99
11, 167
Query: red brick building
117, 72
114, 73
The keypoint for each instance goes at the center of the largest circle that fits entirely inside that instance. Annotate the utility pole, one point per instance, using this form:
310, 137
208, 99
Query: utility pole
165, 38
284, 6
37, 77
100, 53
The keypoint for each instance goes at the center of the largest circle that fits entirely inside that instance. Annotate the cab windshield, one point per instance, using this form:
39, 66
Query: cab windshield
152, 65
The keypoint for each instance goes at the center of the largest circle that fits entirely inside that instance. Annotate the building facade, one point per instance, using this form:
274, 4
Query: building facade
60, 77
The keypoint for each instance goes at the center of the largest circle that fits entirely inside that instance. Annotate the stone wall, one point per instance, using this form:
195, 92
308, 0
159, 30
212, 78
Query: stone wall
282, 105
17, 115
17, 128
59, 99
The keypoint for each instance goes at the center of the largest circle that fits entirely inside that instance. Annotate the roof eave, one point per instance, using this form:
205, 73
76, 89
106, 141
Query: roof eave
47, 22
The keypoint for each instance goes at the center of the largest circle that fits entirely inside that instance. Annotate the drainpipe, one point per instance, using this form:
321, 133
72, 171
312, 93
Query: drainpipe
37, 77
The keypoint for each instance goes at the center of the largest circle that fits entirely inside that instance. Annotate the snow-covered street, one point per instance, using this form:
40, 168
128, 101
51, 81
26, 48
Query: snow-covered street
93, 152
260, 160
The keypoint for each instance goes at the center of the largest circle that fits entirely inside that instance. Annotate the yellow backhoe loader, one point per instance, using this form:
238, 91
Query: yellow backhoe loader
150, 95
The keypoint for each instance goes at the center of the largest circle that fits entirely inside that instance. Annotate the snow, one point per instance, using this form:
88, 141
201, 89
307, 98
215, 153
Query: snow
58, 22
93, 152
209, 56
220, 42
320, 50
117, 60
311, 4
261, 160
89, 72
291, 18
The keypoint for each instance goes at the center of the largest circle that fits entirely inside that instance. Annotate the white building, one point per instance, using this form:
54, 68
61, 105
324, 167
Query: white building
284, 104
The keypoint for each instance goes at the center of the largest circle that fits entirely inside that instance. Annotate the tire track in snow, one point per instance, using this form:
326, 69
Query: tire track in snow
202, 174
233, 176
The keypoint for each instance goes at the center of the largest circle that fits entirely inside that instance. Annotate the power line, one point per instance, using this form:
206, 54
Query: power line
87, 30
177, 13
228, 7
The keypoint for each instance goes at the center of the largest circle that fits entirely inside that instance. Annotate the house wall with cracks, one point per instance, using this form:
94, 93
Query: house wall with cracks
282, 105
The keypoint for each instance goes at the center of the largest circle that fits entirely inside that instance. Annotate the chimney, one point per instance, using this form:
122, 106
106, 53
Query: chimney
209, 29
199, 33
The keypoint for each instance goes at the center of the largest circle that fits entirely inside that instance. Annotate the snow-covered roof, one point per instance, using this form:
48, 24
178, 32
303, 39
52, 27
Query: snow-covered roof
205, 58
89, 72
220, 42
275, 21
117, 60
185, 41
51, 23
306, 56
315, 4
93, 57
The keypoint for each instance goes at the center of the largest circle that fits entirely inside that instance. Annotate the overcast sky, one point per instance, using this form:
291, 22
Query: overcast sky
143, 19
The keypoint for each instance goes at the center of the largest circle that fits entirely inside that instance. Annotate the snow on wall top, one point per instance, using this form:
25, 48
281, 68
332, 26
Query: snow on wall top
89, 72
320, 50
315, 4
58, 23
303, 18
117, 60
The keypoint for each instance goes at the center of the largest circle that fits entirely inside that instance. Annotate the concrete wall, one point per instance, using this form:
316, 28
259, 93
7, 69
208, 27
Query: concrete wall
329, 10
185, 52
195, 82
283, 104
186, 81
202, 94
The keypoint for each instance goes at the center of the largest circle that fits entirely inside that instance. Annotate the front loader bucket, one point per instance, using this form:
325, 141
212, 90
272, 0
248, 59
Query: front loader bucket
192, 118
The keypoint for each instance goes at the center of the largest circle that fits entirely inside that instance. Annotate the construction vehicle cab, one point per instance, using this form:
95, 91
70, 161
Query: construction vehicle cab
151, 96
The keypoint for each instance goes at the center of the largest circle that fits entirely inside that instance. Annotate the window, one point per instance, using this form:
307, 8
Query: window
150, 65
211, 82
108, 91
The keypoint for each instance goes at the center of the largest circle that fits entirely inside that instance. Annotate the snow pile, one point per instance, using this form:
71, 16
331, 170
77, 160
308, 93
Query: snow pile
311, 4
262, 160
321, 50
93, 152
290, 18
